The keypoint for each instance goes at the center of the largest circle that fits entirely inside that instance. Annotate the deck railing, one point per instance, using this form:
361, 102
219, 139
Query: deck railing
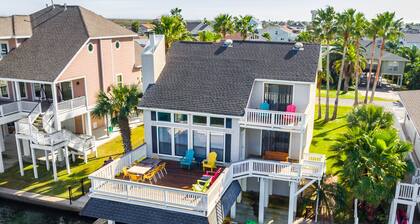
410, 192
16, 107
104, 183
273, 119
72, 104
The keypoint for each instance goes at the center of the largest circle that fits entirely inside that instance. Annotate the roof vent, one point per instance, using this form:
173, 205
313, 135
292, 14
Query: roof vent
228, 43
298, 46
65, 6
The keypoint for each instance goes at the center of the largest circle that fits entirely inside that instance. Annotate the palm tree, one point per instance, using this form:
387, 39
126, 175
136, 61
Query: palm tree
305, 36
324, 25
390, 29
345, 26
173, 27
359, 31
266, 36
372, 32
223, 24
370, 118
119, 102
208, 36
244, 26
176, 12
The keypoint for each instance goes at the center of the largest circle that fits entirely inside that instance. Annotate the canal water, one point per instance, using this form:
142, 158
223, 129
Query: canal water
12, 212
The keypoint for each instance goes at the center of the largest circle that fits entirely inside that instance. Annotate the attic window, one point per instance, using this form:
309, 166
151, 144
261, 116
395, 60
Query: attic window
90, 47
117, 44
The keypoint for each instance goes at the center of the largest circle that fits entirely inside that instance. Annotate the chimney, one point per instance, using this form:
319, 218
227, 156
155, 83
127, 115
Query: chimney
153, 59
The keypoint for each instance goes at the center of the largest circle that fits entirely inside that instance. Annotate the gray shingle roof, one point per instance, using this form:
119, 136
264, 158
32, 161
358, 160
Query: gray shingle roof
209, 78
58, 34
387, 56
411, 101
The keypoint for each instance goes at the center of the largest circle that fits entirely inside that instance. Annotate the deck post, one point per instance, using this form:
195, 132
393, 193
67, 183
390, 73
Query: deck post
1, 163
266, 193
2, 146
261, 201
392, 211
411, 212
233, 211
47, 160
66, 154
292, 196
34, 166
317, 202
88, 124
54, 165
26, 149
19, 155
18, 96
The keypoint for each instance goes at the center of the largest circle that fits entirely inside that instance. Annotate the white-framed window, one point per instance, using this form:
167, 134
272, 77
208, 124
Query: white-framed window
164, 116
181, 118
4, 48
199, 120
217, 144
90, 47
217, 122
23, 90
165, 140
4, 89
200, 144
117, 44
119, 79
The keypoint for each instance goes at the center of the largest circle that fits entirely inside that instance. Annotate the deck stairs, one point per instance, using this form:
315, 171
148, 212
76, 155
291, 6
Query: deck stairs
39, 128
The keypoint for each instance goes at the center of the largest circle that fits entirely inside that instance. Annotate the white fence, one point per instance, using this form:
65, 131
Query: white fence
72, 104
274, 119
17, 106
104, 183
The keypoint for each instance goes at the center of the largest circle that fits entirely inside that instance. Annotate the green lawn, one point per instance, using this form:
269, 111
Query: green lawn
79, 170
350, 95
325, 134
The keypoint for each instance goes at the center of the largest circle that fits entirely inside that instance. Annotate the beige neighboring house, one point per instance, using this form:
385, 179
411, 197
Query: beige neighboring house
54, 63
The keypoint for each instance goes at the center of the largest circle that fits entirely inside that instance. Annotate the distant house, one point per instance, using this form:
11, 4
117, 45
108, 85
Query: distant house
411, 124
146, 28
194, 27
411, 39
392, 65
278, 33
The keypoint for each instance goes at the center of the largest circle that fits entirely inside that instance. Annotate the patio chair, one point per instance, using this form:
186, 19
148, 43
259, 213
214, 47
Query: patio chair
213, 175
125, 172
155, 156
210, 162
201, 186
134, 177
187, 159
291, 108
162, 167
150, 176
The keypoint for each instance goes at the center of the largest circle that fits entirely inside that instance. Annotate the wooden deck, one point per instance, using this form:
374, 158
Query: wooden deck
178, 177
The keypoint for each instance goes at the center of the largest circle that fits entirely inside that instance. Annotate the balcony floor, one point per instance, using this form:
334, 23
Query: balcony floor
178, 177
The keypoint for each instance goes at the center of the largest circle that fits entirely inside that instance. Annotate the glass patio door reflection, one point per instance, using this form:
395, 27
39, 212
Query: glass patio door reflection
42, 91
278, 96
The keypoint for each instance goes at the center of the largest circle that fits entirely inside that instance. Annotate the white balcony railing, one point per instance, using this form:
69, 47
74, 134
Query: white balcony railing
72, 104
410, 192
105, 185
16, 107
274, 119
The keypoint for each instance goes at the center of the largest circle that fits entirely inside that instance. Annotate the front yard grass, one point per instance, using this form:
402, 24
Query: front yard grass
350, 95
79, 170
325, 134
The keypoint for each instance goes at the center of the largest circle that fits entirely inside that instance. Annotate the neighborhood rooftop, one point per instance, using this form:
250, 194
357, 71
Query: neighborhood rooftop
212, 78
411, 103
387, 56
43, 56
15, 26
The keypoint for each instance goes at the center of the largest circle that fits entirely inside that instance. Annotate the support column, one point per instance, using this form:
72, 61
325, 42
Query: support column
54, 165
317, 203
2, 146
1, 163
292, 196
233, 211
261, 201
411, 213
88, 124
34, 163
26, 148
47, 160
393, 212
66, 154
19, 156
266, 195
57, 122
17, 94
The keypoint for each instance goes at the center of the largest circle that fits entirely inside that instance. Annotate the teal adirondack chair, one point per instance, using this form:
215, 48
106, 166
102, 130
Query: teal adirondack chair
187, 159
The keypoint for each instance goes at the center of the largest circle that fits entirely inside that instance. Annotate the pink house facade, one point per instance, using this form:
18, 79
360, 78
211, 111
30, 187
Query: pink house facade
51, 73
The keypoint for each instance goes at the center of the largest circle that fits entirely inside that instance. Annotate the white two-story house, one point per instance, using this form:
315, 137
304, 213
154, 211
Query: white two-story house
230, 98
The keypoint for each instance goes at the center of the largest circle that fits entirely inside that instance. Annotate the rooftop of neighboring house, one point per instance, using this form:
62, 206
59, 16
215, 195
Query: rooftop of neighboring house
412, 37
196, 26
387, 56
16, 26
58, 32
212, 78
411, 102
148, 26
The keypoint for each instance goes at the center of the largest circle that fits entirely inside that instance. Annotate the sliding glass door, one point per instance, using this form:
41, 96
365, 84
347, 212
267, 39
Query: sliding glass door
278, 96
276, 141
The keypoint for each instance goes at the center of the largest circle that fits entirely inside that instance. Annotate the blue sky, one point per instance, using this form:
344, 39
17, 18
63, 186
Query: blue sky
198, 9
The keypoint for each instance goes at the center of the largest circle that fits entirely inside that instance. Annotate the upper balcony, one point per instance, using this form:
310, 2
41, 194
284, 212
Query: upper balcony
273, 119
173, 190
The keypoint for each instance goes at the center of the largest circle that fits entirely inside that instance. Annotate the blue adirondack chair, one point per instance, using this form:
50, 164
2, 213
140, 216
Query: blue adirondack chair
188, 158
